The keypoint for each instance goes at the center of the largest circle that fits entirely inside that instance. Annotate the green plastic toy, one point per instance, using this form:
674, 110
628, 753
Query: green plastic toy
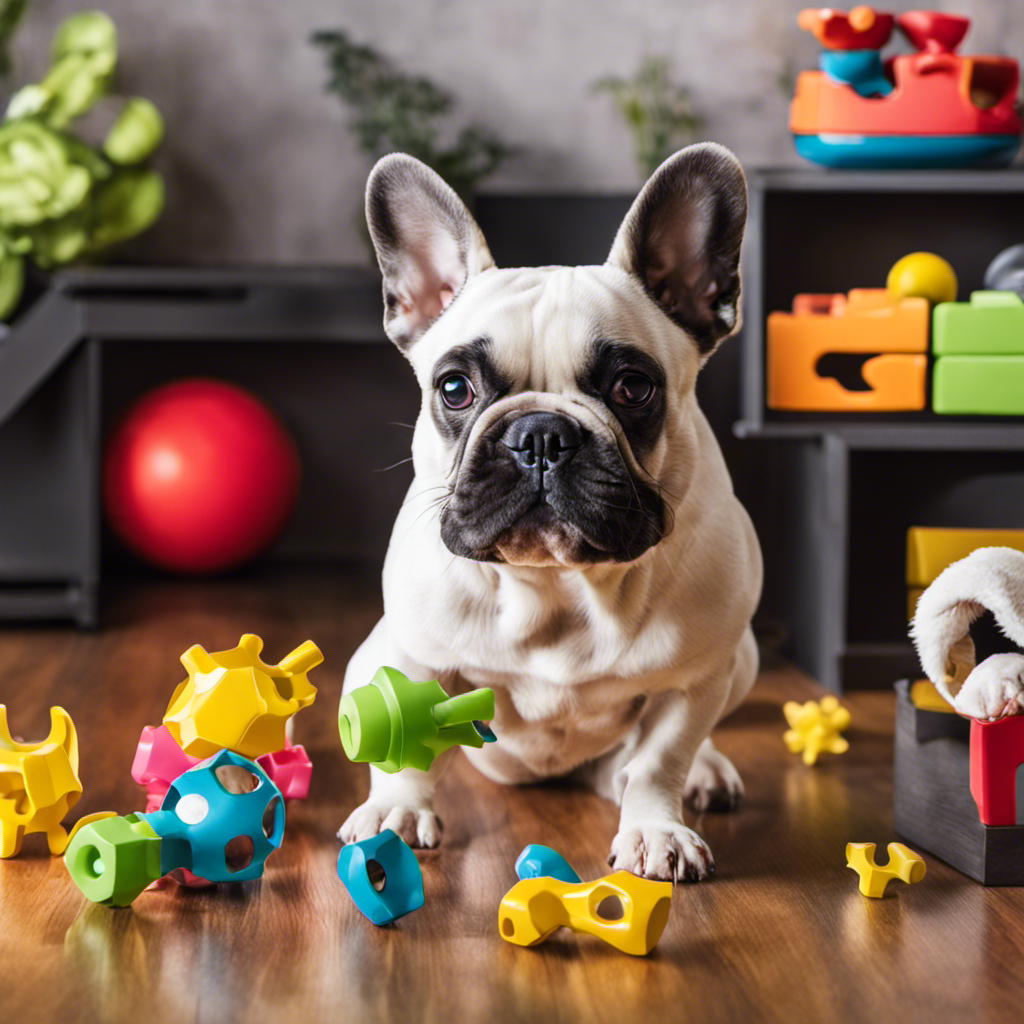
991, 324
395, 723
60, 198
982, 385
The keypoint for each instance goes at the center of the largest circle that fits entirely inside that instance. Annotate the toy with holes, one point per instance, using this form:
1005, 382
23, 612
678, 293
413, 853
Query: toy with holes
626, 911
39, 783
395, 723
931, 108
219, 820
382, 876
866, 351
959, 738
903, 864
815, 728
979, 345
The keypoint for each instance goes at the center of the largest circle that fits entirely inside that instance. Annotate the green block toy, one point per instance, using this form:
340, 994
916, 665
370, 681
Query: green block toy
991, 324
114, 859
395, 723
985, 385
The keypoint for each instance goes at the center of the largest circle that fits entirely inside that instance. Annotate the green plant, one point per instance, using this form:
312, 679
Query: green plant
658, 112
62, 199
393, 110
10, 14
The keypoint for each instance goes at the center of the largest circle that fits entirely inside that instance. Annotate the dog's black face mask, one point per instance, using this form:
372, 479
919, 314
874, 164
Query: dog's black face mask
538, 487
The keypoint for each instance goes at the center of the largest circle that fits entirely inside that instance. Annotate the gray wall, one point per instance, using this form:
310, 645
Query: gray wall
261, 166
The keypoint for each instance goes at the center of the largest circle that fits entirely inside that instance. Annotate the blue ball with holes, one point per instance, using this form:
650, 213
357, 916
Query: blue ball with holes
220, 820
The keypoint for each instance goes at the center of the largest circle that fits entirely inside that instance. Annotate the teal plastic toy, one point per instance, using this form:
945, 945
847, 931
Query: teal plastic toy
220, 820
382, 876
395, 723
538, 861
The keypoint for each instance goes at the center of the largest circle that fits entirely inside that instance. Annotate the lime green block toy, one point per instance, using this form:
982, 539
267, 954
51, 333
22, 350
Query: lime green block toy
991, 324
986, 385
395, 723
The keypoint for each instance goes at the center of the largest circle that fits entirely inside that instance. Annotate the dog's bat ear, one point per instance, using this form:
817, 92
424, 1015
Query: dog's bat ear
427, 244
682, 239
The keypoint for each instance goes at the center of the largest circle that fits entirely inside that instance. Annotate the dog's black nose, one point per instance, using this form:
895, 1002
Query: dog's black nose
546, 439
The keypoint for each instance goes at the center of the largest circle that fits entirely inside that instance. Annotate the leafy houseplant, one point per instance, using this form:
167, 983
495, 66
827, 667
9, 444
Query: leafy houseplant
393, 110
658, 112
62, 199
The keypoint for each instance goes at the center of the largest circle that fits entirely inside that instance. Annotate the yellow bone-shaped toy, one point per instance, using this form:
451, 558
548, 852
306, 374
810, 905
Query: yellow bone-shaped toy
815, 727
903, 863
535, 907
233, 699
38, 783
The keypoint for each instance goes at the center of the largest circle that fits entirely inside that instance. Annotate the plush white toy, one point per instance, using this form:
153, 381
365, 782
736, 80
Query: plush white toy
989, 579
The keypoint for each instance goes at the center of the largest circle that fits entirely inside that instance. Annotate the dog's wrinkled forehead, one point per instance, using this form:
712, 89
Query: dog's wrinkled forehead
539, 328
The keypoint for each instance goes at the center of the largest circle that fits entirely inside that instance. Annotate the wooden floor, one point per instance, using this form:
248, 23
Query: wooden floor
781, 932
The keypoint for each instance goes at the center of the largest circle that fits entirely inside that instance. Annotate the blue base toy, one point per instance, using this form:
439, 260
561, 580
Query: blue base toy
382, 876
538, 861
907, 151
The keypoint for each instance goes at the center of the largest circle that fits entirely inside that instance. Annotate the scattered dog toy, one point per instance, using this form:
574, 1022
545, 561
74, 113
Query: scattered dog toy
219, 820
395, 723
538, 861
627, 911
903, 863
815, 727
233, 700
159, 761
922, 275
39, 783
382, 876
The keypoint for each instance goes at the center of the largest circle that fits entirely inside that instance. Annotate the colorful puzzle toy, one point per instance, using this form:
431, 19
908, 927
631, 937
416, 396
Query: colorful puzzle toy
38, 783
626, 911
903, 864
395, 723
220, 820
815, 727
538, 861
382, 876
932, 108
233, 700
889, 334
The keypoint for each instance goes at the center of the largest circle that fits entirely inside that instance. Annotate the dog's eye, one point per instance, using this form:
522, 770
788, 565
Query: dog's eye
457, 392
632, 390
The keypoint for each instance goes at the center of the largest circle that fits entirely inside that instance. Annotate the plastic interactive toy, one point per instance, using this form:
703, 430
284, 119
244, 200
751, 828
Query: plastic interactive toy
39, 783
932, 108
815, 727
234, 700
382, 876
200, 476
997, 750
903, 864
395, 723
890, 335
211, 823
538, 861
159, 761
626, 911
922, 275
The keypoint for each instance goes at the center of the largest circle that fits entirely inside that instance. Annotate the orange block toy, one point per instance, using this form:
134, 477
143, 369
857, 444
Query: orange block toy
893, 333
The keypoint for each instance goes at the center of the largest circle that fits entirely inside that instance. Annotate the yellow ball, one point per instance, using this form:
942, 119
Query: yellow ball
922, 275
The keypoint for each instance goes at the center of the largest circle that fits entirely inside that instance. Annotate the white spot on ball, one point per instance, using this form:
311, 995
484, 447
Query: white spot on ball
192, 808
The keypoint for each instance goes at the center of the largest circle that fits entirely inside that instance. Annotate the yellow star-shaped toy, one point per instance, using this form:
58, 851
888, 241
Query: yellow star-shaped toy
814, 727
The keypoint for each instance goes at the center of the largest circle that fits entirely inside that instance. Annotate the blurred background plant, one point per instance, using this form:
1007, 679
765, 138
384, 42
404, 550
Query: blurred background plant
395, 111
658, 112
61, 198
10, 14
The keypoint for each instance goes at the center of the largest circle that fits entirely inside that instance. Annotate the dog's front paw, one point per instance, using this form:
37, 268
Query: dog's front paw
418, 826
994, 689
713, 783
668, 851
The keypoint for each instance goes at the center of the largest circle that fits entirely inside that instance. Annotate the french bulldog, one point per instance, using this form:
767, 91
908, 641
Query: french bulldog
571, 537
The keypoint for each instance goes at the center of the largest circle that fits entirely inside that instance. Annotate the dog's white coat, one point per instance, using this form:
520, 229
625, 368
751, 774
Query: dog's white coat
615, 672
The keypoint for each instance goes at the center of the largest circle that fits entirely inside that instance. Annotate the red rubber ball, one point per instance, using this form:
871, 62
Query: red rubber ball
199, 476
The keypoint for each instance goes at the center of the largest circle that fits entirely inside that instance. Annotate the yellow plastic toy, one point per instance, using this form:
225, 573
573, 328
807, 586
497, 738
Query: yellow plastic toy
38, 783
903, 863
925, 696
234, 700
815, 727
922, 275
627, 911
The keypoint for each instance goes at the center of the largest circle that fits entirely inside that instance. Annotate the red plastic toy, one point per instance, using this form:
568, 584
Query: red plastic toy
199, 477
997, 750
